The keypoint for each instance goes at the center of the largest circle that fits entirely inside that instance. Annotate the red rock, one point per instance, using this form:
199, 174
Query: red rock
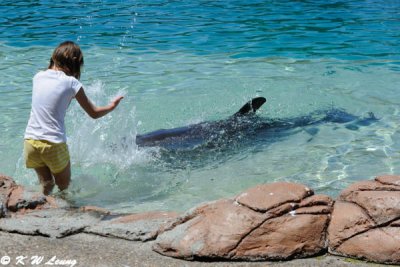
316, 200
20, 199
378, 245
314, 210
6, 186
6, 183
395, 223
367, 186
265, 197
210, 231
315, 204
280, 210
284, 238
261, 223
365, 224
381, 206
389, 179
347, 220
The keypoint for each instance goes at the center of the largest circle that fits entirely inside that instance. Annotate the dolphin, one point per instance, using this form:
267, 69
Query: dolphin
245, 124
198, 134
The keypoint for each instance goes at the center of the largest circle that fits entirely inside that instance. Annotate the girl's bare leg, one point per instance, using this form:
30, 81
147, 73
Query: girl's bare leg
46, 179
63, 178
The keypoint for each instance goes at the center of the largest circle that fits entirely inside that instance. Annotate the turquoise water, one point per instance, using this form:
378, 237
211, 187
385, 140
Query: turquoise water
183, 62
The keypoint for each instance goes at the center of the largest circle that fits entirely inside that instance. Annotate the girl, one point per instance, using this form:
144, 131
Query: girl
45, 145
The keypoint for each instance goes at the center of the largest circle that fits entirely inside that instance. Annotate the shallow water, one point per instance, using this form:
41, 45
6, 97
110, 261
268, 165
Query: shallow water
184, 62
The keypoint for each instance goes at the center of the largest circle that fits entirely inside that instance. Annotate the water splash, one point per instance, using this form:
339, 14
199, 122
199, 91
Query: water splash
103, 151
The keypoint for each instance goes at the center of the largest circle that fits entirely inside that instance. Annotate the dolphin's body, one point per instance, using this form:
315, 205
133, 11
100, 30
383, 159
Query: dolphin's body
243, 124
198, 134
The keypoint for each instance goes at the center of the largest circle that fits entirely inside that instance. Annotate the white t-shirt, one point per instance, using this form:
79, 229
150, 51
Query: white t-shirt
52, 93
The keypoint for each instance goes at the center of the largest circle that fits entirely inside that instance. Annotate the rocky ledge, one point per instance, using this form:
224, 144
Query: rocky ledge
278, 221
365, 221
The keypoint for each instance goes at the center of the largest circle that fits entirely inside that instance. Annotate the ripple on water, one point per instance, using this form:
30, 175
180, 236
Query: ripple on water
183, 62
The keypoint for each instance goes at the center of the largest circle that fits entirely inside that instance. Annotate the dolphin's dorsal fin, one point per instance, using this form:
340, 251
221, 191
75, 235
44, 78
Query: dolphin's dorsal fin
251, 106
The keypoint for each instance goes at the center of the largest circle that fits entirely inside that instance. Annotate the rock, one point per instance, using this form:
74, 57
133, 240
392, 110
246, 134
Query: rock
54, 223
6, 186
32, 213
379, 245
285, 237
365, 221
367, 186
395, 223
381, 206
55, 203
22, 200
273, 221
388, 180
2, 210
212, 230
277, 221
347, 219
135, 227
316, 200
95, 209
268, 196
6, 183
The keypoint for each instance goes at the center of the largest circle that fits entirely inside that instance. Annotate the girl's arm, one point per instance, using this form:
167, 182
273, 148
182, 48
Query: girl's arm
92, 110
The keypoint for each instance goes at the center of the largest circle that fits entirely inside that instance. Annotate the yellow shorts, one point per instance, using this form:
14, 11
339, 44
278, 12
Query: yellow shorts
41, 153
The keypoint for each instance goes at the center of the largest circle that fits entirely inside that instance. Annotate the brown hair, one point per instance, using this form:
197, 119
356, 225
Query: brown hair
68, 57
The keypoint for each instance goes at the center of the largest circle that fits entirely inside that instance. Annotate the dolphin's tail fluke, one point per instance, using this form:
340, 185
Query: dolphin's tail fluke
251, 106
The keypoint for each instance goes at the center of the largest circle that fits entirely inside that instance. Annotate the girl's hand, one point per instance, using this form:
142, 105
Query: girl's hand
115, 102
